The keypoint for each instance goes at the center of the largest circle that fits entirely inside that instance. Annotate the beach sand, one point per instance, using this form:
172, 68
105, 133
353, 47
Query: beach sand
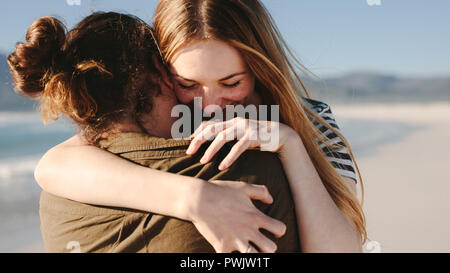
407, 183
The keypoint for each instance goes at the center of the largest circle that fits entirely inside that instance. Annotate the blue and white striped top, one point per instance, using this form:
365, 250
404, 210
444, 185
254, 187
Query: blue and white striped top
339, 157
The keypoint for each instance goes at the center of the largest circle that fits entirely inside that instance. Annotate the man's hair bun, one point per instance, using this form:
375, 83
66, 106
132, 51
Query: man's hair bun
32, 62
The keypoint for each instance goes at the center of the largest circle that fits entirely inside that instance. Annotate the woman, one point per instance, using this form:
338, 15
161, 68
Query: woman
330, 217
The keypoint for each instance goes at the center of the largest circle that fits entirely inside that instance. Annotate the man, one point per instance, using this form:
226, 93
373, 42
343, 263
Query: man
107, 229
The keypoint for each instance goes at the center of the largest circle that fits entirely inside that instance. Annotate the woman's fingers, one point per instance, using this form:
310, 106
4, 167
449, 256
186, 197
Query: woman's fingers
203, 134
242, 129
272, 225
246, 247
241, 146
264, 244
201, 127
253, 191
198, 141
252, 250
258, 192
242, 246
236, 128
236, 224
220, 140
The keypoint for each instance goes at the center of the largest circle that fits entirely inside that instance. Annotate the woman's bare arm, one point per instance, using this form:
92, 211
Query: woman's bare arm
91, 175
322, 225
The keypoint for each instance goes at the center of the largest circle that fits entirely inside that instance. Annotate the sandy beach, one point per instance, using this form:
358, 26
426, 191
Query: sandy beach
407, 182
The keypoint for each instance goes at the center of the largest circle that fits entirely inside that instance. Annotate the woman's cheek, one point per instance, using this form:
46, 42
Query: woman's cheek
240, 93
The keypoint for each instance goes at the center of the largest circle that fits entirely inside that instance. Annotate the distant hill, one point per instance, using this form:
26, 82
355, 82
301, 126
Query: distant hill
352, 87
10, 100
371, 87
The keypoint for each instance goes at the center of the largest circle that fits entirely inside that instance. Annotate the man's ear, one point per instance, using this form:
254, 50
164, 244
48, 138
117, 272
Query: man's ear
163, 70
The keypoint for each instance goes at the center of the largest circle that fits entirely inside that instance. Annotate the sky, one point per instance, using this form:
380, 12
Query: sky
330, 37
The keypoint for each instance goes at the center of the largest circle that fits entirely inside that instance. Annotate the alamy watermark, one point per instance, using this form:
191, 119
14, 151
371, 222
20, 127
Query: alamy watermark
372, 247
74, 247
374, 2
73, 2
257, 123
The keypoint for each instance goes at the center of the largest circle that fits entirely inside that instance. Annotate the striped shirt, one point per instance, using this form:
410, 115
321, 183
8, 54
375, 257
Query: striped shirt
339, 157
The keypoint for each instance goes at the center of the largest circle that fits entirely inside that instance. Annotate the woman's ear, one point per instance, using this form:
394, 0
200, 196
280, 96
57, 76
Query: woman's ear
163, 70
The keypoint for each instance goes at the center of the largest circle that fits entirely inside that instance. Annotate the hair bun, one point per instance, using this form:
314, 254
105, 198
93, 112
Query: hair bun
32, 62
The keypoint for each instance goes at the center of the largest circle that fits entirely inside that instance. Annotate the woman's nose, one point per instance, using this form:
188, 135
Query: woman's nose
211, 97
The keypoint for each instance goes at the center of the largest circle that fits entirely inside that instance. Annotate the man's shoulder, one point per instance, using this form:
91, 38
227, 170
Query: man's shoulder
261, 167
135, 141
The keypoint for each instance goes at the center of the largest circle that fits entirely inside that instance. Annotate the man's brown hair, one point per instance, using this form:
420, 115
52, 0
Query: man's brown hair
98, 73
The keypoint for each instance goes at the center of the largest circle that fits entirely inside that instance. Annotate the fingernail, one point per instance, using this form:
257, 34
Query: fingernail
203, 160
189, 150
222, 166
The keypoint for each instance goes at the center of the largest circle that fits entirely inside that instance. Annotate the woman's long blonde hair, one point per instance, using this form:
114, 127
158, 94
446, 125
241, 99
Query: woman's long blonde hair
247, 26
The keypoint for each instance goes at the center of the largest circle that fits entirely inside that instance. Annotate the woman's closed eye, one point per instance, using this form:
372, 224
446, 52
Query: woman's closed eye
232, 84
191, 86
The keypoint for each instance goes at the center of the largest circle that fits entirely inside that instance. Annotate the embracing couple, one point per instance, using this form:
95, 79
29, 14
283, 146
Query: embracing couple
123, 184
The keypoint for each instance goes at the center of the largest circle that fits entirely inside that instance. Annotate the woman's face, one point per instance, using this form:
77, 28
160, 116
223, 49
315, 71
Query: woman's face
212, 70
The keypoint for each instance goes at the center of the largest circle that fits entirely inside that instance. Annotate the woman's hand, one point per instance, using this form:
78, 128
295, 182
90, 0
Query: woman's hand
225, 215
267, 135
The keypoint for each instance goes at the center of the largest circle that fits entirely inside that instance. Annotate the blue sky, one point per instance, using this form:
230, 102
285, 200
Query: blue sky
331, 37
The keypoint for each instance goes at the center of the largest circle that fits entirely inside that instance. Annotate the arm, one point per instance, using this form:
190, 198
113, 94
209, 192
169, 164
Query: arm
87, 176
322, 226
91, 175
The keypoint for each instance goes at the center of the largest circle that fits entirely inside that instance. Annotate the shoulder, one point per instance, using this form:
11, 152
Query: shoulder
316, 105
339, 157
258, 167
261, 163
323, 110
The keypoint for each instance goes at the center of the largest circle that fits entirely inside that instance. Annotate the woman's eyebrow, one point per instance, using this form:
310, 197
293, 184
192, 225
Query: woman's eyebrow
188, 80
223, 79
232, 75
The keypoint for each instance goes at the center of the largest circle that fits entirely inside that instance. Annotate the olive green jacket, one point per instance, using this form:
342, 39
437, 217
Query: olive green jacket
69, 226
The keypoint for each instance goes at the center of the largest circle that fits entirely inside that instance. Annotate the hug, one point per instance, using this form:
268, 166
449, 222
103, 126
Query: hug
123, 184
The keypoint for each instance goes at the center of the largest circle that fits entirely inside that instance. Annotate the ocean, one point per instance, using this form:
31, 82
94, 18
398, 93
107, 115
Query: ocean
24, 139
